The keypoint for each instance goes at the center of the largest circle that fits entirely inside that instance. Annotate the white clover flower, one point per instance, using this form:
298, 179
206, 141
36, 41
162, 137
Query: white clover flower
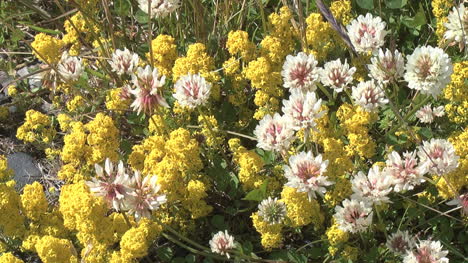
337, 75
369, 96
428, 70
405, 173
303, 109
427, 251
457, 26
373, 188
426, 114
70, 68
387, 67
144, 196
353, 216
148, 90
124, 61
439, 155
112, 185
305, 173
221, 243
300, 72
462, 202
192, 90
367, 33
438, 112
159, 8
274, 133
272, 211
400, 242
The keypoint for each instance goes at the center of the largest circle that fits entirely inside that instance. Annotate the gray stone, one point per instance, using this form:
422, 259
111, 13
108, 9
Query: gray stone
25, 169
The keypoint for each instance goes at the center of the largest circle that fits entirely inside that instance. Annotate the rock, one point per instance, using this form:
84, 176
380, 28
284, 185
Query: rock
25, 169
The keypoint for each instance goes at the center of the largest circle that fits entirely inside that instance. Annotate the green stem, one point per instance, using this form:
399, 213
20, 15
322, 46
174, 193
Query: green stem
408, 115
192, 250
324, 90
381, 221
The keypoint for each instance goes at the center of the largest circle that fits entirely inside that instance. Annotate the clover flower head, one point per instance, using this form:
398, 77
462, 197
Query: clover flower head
400, 242
354, 215
337, 75
405, 171
69, 67
148, 88
374, 188
112, 185
367, 33
274, 133
427, 251
426, 114
439, 155
272, 210
192, 90
387, 67
300, 72
159, 8
124, 61
303, 109
369, 96
221, 243
428, 70
305, 173
457, 26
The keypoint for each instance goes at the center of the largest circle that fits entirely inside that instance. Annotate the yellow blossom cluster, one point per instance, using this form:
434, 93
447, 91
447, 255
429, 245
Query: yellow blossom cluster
5, 172
9, 258
264, 72
34, 201
458, 179
88, 144
301, 210
238, 43
441, 9
75, 104
355, 121
199, 61
36, 128
47, 48
77, 29
341, 10
11, 217
116, 102
53, 250
336, 238
176, 161
210, 131
457, 94
164, 54
251, 173
136, 241
64, 121
271, 233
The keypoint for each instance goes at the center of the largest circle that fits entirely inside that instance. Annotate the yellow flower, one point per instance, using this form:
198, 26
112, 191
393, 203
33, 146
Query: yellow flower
115, 101
55, 250
301, 211
11, 218
9, 258
5, 172
164, 54
47, 48
238, 43
271, 233
34, 201
36, 128
457, 94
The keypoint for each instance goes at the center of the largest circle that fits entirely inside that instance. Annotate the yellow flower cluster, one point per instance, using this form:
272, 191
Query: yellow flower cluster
176, 161
36, 128
47, 48
164, 54
87, 145
271, 233
301, 211
237, 95
355, 120
34, 201
320, 36
336, 238
11, 218
115, 101
341, 10
9, 258
75, 27
458, 179
238, 43
198, 61
210, 130
54, 250
457, 94
441, 9
75, 104
5, 172
339, 164
64, 121
157, 124
251, 173
264, 72
136, 241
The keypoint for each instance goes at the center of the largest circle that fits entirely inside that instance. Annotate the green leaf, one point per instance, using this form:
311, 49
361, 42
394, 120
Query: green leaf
165, 253
122, 7
366, 4
417, 21
190, 258
218, 222
396, 4
254, 195
141, 17
426, 133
